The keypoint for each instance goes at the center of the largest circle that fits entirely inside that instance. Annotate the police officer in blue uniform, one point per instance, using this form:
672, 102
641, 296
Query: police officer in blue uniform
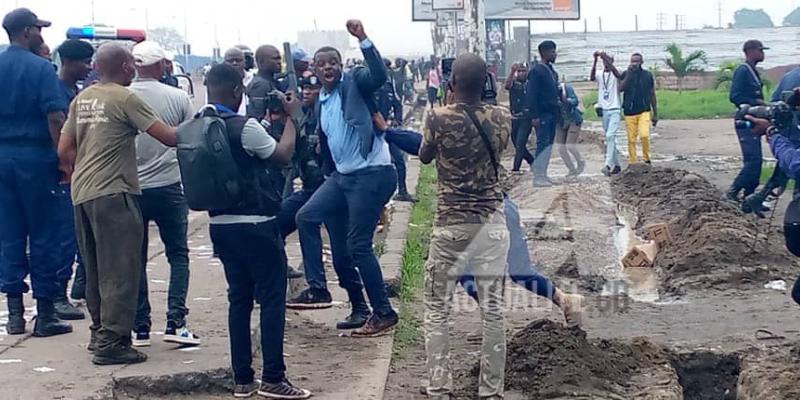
76, 63
31, 117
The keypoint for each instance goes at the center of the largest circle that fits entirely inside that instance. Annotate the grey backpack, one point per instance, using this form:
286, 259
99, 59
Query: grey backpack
210, 174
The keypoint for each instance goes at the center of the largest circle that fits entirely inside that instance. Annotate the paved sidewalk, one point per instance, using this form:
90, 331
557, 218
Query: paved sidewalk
61, 368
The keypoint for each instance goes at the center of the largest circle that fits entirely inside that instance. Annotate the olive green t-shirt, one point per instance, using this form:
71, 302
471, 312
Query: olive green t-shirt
105, 119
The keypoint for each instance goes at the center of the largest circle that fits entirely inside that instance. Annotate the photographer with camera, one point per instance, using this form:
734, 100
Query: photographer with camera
775, 123
260, 91
747, 89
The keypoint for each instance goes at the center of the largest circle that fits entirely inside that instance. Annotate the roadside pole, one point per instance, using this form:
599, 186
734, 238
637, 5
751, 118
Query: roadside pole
475, 25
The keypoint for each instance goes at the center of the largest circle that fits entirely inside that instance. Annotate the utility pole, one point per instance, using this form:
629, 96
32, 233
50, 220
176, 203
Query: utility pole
719, 13
93, 21
585, 26
475, 25
636, 19
563, 26
528, 37
661, 20
680, 22
600, 23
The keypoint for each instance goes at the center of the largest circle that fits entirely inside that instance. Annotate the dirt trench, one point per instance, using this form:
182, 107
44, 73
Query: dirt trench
716, 246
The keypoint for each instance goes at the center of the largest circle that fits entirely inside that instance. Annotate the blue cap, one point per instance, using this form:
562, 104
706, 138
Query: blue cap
301, 55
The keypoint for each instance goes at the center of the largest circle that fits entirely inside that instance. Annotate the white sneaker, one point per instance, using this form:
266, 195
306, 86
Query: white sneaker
140, 339
181, 336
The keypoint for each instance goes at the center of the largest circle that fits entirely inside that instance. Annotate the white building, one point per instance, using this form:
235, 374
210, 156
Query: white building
310, 41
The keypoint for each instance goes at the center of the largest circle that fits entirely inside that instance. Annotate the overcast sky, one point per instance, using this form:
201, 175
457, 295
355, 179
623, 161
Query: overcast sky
387, 21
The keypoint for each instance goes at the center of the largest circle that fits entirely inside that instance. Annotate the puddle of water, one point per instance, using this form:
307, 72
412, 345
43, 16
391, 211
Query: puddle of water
640, 284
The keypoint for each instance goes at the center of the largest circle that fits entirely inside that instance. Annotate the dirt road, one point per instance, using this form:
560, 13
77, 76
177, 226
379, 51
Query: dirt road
707, 324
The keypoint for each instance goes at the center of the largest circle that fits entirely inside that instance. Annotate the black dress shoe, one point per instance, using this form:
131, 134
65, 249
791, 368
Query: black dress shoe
355, 320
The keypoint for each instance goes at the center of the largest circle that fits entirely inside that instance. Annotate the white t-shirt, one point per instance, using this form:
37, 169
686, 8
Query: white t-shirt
608, 91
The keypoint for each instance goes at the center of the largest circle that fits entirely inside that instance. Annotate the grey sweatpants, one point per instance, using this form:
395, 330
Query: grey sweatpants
110, 235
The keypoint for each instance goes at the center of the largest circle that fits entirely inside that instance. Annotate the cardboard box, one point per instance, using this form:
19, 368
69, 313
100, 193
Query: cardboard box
659, 233
641, 256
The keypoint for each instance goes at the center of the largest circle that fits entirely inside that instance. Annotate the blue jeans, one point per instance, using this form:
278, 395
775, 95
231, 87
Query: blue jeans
255, 268
750, 175
289, 208
31, 210
311, 241
520, 268
168, 208
611, 122
545, 136
399, 161
359, 197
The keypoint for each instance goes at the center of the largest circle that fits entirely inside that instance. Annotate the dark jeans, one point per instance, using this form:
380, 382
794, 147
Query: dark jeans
520, 268
359, 197
289, 208
405, 140
399, 161
31, 213
521, 132
750, 175
110, 233
255, 268
433, 96
168, 208
545, 136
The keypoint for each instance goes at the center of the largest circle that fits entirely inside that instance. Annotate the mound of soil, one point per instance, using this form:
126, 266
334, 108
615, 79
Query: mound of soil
771, 377
715, 244
549, 361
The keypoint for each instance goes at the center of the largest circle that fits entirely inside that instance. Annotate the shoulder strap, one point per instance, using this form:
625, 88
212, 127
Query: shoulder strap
753, 73
486, 142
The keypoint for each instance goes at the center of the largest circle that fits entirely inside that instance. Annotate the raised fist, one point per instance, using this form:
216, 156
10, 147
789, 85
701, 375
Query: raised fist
356, 28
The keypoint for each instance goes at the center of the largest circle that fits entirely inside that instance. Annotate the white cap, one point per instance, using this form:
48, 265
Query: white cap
148, 53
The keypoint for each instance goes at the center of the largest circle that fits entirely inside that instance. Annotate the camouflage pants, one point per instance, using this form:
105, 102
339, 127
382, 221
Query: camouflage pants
484, 248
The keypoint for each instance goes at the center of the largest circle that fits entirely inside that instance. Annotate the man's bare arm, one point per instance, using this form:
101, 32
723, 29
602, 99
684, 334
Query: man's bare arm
67, 152
55, 121
163, 133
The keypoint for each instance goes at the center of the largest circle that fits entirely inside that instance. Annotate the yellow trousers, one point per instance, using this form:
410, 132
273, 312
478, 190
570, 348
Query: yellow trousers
638, 127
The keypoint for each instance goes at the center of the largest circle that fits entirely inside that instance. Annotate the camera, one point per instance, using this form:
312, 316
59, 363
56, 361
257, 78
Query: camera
274, 103
779, 113
489, 94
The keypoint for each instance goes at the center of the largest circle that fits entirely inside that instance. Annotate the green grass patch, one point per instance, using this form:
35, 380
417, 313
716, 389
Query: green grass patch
418, 240
766, 172
690, 104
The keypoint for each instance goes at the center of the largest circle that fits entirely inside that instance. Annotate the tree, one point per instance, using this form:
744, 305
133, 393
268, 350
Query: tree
168, 38
725, 74
747, 18
793, 19
683, 66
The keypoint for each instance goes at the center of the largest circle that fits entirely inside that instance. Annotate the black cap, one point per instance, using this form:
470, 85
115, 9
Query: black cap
310, 81
547, 45
754, 45
22, 18
74, 49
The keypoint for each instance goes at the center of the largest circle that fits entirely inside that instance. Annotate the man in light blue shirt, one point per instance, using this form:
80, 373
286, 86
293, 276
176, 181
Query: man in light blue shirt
363, 182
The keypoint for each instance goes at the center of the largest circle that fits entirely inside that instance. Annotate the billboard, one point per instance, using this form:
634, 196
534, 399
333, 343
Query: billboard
422, 10
448, 5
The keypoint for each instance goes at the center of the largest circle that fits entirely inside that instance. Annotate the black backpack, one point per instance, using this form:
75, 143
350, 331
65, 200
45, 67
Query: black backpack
209, 172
